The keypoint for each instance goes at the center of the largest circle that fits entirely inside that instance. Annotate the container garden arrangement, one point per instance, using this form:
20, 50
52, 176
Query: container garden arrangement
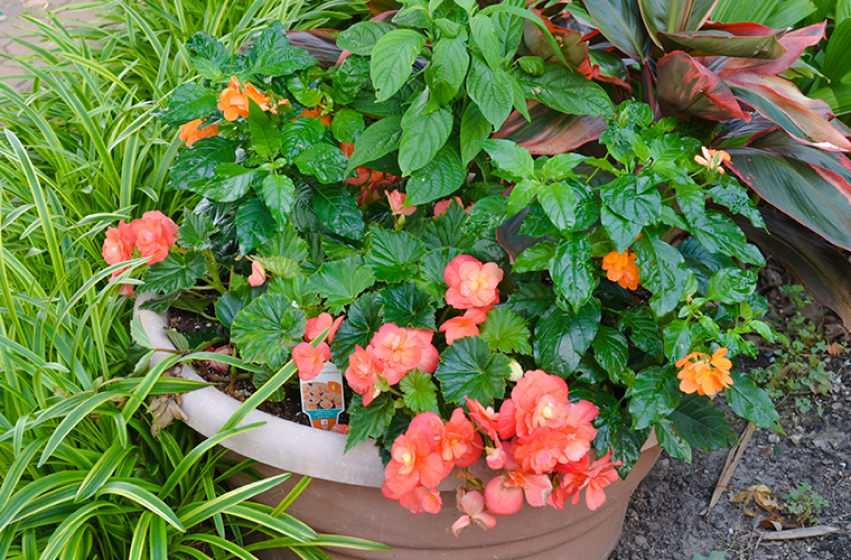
374, 232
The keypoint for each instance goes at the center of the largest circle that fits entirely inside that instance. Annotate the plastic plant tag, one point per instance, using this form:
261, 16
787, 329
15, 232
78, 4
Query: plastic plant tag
322, 397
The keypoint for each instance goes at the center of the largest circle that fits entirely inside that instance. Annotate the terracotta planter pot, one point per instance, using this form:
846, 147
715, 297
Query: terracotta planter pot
345, 496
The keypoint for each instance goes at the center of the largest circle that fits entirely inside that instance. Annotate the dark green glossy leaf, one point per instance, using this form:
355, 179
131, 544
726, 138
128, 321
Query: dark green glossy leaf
363, 320
176, 273
268, 329
439, 178
425, 132
671, 442
265, 136
565, 90
254, 225
506, 332
199, 162
643, 331
324, 161
679, 338
377, 141
560, 203
490, 90
279, 195
361, 37
186, 103
702, 425
468, 369
272, 55
394, 256
572, 272
561, 338
510, 157
407, 305
195, 231
474, 127
420, 392
536, 257
392, 58
338, 210
340, 282
654, 396
610, 350
531, 299
369, 422
347, 125
662, 272
752, 402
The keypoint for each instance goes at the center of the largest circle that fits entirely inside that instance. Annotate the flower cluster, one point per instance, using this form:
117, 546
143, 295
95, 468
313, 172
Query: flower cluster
234, 99
310, 359
471, 283
538, 441
704, 374
392, 353
621, 268
152, 235
713, 159
192, 131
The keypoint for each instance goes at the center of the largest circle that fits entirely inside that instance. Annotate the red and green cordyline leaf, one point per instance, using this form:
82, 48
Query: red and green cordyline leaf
687, 87
794, 42
572, 43
671, 16
550, 132
318, 42
811, 186
741, 40
780, 101
620, 21
819, 266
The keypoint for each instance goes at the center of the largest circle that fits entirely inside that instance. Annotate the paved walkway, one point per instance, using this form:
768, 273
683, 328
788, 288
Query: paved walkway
15, 26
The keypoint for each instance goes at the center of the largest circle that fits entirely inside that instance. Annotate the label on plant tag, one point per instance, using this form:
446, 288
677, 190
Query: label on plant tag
322, 397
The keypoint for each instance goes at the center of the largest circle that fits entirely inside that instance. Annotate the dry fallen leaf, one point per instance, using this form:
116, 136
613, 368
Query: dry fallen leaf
835, 349
759, 493
165, 409
805, 533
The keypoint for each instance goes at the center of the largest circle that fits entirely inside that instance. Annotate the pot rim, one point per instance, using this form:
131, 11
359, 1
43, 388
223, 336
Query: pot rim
320, 453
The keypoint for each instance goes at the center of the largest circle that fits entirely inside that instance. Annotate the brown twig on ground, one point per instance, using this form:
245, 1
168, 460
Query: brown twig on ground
733, 458
803, 533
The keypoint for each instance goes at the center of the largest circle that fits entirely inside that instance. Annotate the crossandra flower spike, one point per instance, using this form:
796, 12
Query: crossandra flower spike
712, 159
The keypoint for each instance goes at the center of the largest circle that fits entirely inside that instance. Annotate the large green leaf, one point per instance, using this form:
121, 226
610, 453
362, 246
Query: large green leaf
752, 402
425, 132
490, 90
272, 55
506, 332
254, 225
279, 195
562, 338
177, 272
772, 13
324, 161
611, 350
634, 197
439, 178
566, 91
340, 282
662, 272
701, 424
377, 141
407, 305
338, 210
675, 15
362, 321
370, 421
186, 103
268, 329
199, 162
474, 127
393, 256
654, 396
620, 22
448, 67
361, 37
509, 157
420, 392
468, 369
572, 273
392, 59
531, 299
643, 330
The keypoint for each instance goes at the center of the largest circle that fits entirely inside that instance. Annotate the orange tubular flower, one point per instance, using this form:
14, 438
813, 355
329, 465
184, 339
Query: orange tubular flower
703, 374
233, 101
621, 268
712, 159
191, 132
316, 112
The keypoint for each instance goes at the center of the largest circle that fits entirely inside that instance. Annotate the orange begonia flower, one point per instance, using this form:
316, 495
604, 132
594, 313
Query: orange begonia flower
310, 359
703, 374
471, 283
712, 159
317, 326
155, 234
621, 268
396, 200
191, 133
233, 101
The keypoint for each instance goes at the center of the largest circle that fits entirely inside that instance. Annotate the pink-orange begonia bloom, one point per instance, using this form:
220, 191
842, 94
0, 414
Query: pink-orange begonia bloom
472, 505
465, 325
400, 350
192, 131
442, 206
621, 268
118, 246
318, 325
310, 359
258, 274
471, 283
496, 458
155, 234
540, 400
234, 99
504, 493
581, 474
703, 374
485, 418
415, 462
397, 201
362, 373
459, 442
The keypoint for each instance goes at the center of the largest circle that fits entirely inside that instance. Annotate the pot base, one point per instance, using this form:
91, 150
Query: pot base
532, 534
